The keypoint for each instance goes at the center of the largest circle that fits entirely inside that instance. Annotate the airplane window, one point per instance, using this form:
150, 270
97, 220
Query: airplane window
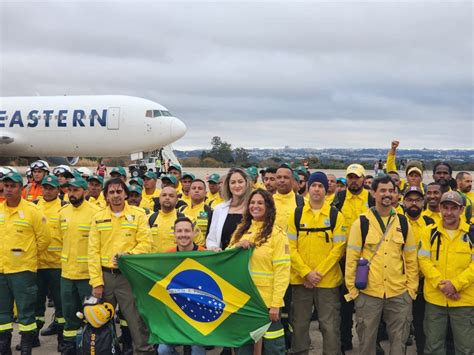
156, 113
165, 113
149, 113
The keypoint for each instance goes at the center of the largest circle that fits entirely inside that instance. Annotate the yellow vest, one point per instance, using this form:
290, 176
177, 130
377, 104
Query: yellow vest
214, 199
354, 206
200, 216
162, 232
285, 205
51, 258
436, 216
147, 200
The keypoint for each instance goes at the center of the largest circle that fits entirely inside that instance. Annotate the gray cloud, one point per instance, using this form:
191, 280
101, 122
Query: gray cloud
322, 74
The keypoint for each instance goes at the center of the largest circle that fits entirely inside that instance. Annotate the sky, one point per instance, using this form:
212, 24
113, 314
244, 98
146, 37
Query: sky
335, 74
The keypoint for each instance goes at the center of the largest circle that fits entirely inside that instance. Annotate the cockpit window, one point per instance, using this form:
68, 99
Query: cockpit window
149, 113
156, 113
165, 113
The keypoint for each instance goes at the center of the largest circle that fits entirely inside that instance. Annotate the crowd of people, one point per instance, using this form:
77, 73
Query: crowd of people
395, 251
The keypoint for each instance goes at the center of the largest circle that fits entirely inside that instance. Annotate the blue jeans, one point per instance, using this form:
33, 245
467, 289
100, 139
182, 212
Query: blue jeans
165, 349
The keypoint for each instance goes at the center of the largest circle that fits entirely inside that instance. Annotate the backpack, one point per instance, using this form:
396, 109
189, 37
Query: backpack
436, 235
299, 200
364, 228
99, 341
428, 220
154, 216
340, 198
332, 222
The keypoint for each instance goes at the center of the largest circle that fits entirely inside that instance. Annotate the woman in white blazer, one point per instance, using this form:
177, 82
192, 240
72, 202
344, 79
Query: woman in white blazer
227, 215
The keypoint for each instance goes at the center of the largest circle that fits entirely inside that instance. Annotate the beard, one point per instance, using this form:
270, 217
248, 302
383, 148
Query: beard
413, 212
76, 201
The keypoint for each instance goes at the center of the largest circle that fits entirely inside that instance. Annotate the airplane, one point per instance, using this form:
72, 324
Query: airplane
84, 126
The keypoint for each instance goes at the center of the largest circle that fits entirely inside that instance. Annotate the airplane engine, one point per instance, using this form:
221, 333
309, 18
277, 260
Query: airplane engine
62, 160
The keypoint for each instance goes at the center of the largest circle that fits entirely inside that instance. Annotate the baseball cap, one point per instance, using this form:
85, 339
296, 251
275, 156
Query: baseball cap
411, 189
214, 178
252, 171
171, 178
15, 177
185, 174
78, 182
150, 175
413, 163
453, 197
356, 169
175, 166
135, 188
98, 178
135, 181
50, 180
342, 180
119, 170
414, 169
296, 176
302, 169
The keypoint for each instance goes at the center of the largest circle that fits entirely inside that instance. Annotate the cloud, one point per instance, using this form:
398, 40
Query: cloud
340, 74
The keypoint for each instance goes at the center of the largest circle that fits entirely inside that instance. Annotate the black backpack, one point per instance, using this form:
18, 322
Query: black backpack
364, 228
154, 216
99, 341
436, 235
332, 222
340, 198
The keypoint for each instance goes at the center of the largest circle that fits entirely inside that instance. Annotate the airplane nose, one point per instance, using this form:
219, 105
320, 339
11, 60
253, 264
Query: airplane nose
178, 129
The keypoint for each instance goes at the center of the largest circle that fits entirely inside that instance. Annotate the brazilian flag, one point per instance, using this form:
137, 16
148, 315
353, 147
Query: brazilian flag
197, 297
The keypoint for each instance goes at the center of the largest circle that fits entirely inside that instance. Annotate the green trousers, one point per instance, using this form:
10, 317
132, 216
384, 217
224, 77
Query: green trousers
73, 293
21, 288
49, 281
436, 327
273, 342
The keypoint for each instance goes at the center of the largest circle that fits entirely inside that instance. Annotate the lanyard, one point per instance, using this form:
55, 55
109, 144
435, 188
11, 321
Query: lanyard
379, 219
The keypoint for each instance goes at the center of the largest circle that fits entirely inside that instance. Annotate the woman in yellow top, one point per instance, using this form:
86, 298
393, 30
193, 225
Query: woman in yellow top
269, 265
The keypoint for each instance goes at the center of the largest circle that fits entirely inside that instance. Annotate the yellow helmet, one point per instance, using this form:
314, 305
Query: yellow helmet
98, 314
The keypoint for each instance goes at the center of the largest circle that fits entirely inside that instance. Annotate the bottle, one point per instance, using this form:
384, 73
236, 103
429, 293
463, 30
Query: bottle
362, 274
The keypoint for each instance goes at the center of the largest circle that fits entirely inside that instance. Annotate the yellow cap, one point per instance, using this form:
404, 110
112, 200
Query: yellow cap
355, 169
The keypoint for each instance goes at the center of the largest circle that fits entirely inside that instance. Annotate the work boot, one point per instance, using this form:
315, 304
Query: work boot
69, 348
26, 342
51, 330
378, 349
60, 329
6, 343
126, 340
35, 342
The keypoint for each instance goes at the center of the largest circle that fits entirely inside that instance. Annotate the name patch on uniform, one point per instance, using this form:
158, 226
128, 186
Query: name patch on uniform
103, 221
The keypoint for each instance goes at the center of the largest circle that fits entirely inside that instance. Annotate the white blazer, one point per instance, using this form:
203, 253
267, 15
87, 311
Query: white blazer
219, 216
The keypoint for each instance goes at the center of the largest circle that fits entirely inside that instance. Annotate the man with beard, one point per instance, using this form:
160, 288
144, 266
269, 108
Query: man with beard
442, 174
385, 240
74, 223
269, 180
464, 182
414, 202
433, 196
351, 202
368, 182
303, 177
119, 229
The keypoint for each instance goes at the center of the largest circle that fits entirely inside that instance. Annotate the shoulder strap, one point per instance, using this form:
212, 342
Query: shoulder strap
341, 197
428, 220
208, 210
404, 226
299, 200
364, 229
333, 217
36, 201
470, 234
152, 219
179, 214
370, 200
298, 214
435, 234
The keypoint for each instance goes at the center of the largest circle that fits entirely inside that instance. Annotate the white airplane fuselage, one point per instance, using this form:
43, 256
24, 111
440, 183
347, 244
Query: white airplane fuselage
108, 125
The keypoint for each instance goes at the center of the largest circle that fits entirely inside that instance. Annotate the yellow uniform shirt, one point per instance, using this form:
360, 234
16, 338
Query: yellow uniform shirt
24, 235
51, 258
330, 198
110, 235
147, 200
75, 226
317, 250
162, 231
258, 185
454, 262
419, 227
393, 269
436, 216
285, 205
470, 195
270, 264
99, 201
214, 199
354, 206
200, 215
186, 199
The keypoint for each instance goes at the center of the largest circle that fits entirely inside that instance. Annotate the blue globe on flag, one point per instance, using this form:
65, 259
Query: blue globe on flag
197, 294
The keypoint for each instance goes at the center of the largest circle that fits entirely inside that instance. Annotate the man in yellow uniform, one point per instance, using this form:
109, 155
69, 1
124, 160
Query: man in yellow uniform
95, 184
351, 202
446, 258
332, 186
150, 193
385, 241
75, 223
49, 262
24, 236
252, 171
269, 180
119, 172
317, 242
197, 210
175, 170
186, 181
162, 222
433, 197
117, 230
285, 198
464, 182
214, 195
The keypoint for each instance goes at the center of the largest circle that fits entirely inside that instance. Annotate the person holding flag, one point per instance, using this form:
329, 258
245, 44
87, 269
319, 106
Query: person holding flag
269, 264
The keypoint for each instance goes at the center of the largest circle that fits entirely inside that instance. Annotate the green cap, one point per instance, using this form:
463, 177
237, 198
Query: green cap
214, 178
98, 178
252, 171
171, 178
78, 182
50, 180
119, 170
302, 169
150, 175
296, 176
185, 174
15, 177
175, 166
136, 181
135, 188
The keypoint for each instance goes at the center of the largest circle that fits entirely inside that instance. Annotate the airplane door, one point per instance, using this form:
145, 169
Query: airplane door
113, 118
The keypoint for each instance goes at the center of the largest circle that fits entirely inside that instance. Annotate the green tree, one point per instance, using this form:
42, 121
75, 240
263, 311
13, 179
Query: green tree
241, 156
221, 150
